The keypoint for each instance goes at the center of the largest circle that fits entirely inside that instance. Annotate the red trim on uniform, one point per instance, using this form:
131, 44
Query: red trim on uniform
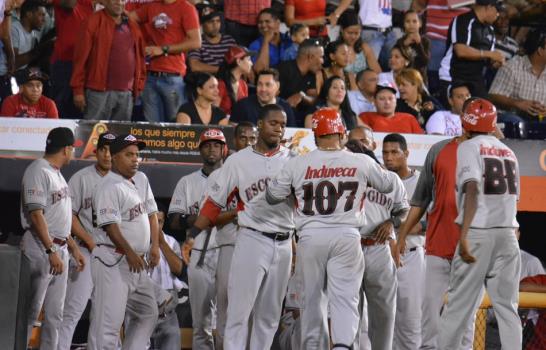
210, 210
235, 194
271, 153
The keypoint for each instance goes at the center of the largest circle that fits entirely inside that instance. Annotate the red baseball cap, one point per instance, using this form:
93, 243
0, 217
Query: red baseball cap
237, 52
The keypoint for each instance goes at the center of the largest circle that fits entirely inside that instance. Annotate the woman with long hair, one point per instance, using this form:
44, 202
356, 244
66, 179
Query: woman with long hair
413, 96
400, 58
334, 94
336, 59
361, 55
232, 86
203, 91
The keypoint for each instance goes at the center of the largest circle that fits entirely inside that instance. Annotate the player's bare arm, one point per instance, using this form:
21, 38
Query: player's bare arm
40, 226
80, 232
226, 217
76, 254
175, 263
470, 190
414, 216
136, 263
154, 235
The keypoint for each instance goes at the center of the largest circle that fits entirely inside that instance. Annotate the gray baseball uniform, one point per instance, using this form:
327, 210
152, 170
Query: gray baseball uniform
329, 187
186, 199
117, 290
260, 265
80, 284
490, 163
380, 281
411, 278
44, 188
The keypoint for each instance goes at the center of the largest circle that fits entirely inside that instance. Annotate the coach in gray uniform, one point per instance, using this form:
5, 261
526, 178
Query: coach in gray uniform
121, 285
46, 216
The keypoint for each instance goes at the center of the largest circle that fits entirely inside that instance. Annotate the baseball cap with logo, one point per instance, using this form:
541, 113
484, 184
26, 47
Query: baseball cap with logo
61, 137
380, 88
23, 76
207, 11
237, 52
123, 141
105, 139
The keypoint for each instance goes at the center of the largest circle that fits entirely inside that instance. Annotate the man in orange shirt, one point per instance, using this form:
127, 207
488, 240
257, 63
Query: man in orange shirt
386, 119
29, 102
172, 27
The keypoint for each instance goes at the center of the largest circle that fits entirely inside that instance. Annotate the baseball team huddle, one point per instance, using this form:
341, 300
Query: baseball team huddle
326, 250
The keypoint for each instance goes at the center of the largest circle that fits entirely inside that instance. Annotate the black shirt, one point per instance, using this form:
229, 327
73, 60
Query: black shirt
466, 29
248, 108
292, 81
422, 115
190, 109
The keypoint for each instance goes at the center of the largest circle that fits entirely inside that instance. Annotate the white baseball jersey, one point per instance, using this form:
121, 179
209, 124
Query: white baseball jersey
248, 173
162, 274
82, 186
44, 187
409, 184
329, 187
186, 200
124, 202
380, 206
227, 233
494, 167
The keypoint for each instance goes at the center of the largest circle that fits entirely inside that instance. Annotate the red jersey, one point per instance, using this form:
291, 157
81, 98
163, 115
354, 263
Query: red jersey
67, 23
167, 24
436, 185
401, 122
14, 106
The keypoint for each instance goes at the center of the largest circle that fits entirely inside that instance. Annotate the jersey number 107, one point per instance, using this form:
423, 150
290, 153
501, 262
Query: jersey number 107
326, 203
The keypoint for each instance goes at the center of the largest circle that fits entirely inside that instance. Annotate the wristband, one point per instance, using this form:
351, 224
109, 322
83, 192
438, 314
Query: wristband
165, 50
194, 232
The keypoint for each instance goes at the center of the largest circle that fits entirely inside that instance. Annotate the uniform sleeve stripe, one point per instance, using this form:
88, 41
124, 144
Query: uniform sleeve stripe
107, 223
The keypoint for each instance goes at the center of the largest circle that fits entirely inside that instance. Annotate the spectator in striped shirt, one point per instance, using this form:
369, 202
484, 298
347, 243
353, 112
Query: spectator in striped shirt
214, 44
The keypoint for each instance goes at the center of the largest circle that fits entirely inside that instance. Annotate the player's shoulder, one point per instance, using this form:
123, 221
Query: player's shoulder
83, 173
38, 168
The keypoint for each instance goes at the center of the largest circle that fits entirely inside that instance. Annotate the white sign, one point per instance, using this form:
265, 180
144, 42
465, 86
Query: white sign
418, 145
29, 134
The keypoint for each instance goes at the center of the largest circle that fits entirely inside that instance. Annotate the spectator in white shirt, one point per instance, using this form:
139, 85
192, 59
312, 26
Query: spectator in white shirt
448, 123
362, 99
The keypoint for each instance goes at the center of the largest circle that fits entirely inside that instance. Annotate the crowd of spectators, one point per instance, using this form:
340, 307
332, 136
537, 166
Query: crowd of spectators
405, 66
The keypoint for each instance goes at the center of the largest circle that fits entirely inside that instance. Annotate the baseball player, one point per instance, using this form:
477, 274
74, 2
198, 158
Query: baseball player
166, 335
82, 185
487, 252
260, 265
329, 184
433, 189
411, 271
246, 134
124, 208
184, 208
46, 217
384, 213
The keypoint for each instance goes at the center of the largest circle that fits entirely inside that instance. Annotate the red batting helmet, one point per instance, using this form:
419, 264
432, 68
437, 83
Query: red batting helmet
479, 115
213, 135
326, 121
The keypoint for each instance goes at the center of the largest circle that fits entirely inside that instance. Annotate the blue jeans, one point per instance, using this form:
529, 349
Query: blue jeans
437, 52
162, 96
382, 44
61, 92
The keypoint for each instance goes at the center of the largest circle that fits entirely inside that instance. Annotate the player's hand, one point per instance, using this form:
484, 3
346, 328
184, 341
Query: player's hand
186, 249
464, 252
79, 102
80, 260
395, 253
383, 231
136, 263
56, 265
154, 256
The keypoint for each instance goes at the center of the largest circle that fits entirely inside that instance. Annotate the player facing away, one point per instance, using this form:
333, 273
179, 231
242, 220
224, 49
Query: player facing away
124, 207
82, 185
383, 212
329, 184
488, 188
183, 209
411, 270
260, 265
46, 216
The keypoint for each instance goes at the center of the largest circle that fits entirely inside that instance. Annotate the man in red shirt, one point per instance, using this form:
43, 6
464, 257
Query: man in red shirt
386, 119
109, 67
69, 15
29, 102
242, 19
172, 28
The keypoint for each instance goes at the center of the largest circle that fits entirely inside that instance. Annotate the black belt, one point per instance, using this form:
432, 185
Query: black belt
381, 30
276, 236
163, 74
413, 249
